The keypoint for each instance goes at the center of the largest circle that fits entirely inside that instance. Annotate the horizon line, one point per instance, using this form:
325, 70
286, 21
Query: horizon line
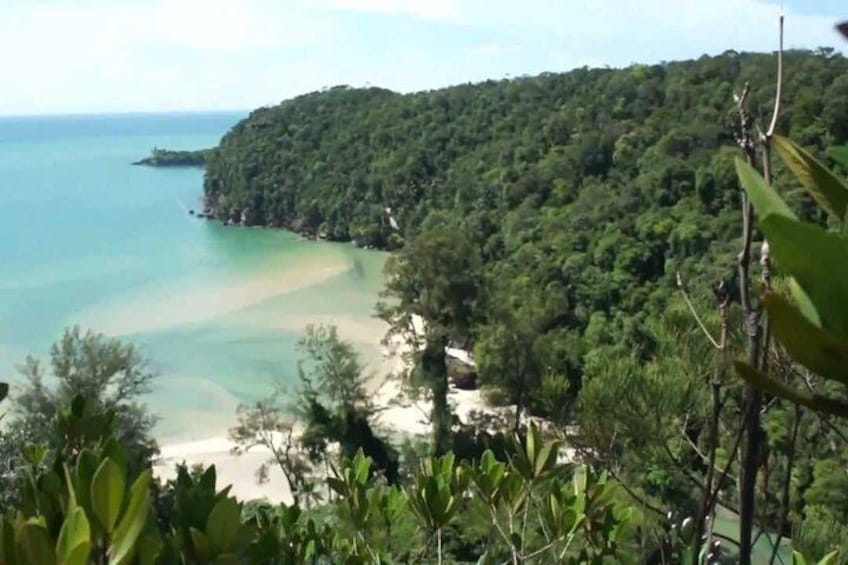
119, 113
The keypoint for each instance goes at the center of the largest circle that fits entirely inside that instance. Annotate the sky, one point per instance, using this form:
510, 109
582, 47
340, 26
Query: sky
100, 56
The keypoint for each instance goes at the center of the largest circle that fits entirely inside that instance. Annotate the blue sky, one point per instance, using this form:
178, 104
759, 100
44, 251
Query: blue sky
87, 56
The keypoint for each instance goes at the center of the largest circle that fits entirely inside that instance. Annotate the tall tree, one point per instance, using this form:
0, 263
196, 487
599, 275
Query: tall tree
430, 296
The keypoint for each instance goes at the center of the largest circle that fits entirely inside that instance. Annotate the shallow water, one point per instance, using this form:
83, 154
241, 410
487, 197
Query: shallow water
88, 239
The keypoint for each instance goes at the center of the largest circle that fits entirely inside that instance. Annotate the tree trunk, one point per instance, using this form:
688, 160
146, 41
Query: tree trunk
435, 373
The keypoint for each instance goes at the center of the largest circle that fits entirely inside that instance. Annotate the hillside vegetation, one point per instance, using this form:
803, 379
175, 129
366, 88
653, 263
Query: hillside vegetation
587, 189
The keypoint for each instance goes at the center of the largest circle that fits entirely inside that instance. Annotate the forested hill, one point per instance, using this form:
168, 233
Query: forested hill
501, 151
583, 185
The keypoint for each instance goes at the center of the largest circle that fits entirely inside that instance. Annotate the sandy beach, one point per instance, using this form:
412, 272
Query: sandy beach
182, 303
397, 416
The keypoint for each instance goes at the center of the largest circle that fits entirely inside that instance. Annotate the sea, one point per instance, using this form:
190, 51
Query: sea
88, 239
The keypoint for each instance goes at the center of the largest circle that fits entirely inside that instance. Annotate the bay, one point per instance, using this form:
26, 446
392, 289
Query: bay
88, 239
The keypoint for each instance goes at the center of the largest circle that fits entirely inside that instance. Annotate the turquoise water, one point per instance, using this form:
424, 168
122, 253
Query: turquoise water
88, 239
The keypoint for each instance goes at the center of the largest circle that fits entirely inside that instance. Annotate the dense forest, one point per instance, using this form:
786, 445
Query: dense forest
170, 158
648, 264
583, 191
566, 227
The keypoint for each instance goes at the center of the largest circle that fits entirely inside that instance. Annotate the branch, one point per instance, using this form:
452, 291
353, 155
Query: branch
691, 306
778, 94
784, 514
700, 453
730, 459
635, 496
808, 382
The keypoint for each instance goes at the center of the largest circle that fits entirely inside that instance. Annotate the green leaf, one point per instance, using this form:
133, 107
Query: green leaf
817, 349
107, 493
805, 305
85, 469
817, 261
829, 190
78, 406
149, 547
839, 154
774, 387
7, 542
132, 522
532, 442
74, 542
35, 544
546, 459
201, 544
829, 558
338, 485
4, 390
208, 478
798, 558
765, 199
223, 525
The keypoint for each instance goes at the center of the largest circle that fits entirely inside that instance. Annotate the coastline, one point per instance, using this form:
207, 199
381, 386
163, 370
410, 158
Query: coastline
396, 415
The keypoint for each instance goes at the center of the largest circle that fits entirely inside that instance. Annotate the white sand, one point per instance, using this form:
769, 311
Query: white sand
236, 470
397, 415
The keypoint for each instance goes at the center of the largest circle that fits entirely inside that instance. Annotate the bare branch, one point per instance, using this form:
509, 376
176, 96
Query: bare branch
779, 91
701, 454
691, 306
787, 481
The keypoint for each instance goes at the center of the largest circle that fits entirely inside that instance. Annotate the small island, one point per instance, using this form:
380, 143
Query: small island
169, 158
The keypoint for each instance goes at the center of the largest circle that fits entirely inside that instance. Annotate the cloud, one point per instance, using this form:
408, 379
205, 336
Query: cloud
124, 54
492, 48
449, 11
121, 55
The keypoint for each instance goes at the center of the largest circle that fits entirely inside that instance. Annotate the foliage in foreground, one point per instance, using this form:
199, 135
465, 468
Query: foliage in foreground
811, 323
87, 506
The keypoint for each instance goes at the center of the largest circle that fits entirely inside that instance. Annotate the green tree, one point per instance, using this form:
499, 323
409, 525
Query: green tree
332, 409
436, 279
108, 375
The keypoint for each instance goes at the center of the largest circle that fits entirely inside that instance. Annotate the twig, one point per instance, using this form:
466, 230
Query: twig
778, 94
808, 382
726, 471
790, 461
641, 500
691, 306
701, 454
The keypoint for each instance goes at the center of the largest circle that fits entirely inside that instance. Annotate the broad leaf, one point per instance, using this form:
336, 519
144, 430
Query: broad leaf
774, 387
208, 478
132, 522
546, 458
829, 558
803, 302
83, 474
817, 349
201, 545
74, 544
765, 199
829, 190
35, 544
149, 547
107, 493
817, 261
223, 525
